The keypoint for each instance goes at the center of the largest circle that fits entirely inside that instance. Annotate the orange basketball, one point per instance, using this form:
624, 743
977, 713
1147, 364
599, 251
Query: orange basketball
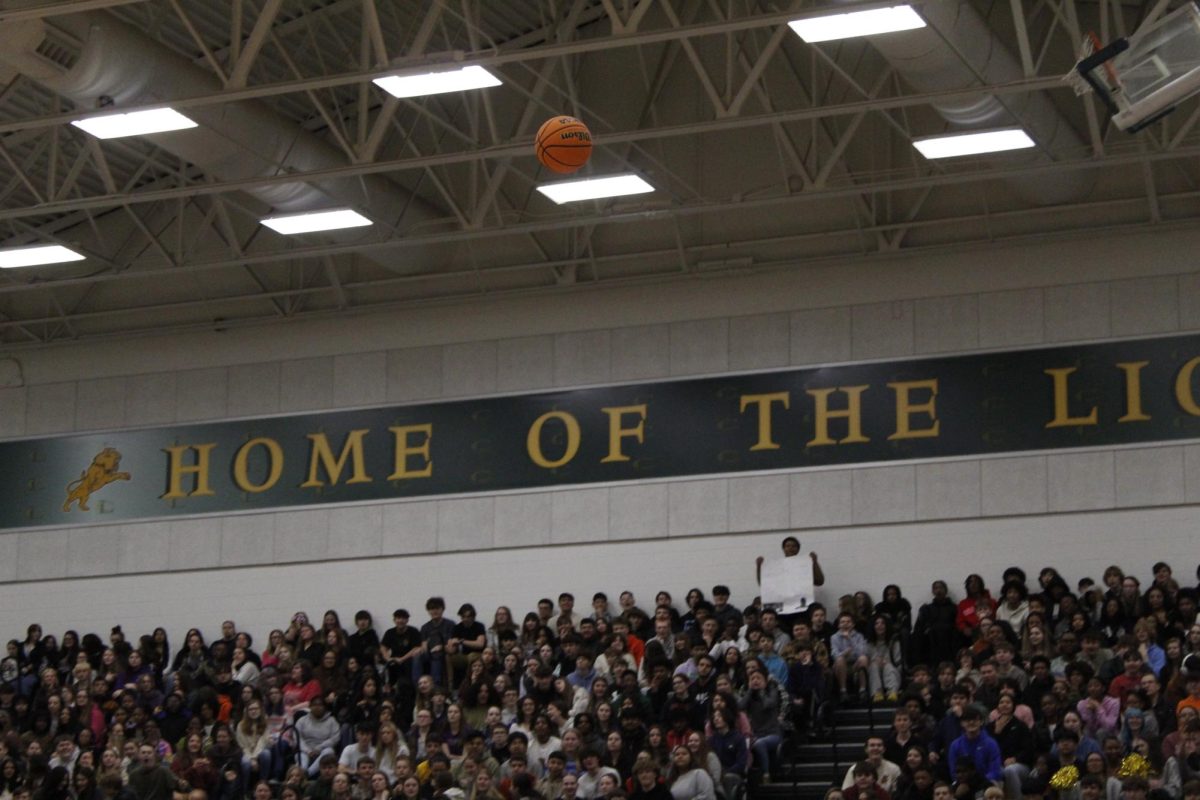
563, 144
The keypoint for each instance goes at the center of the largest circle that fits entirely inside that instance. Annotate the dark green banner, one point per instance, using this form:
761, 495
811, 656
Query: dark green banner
1064, 397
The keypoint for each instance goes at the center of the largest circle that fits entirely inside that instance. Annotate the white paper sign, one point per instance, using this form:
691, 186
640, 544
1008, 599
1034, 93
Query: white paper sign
788, 582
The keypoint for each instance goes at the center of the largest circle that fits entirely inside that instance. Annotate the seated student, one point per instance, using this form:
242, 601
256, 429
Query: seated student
1066, 742
322, 787
360, 780
923, 724
805, 684
1091, 787
976, 747
1007, 667
1193, 695
818, 622
364, 734
885, 659
647, 782
1134, 788
341, 788
317, 735
474, 746
968, 783
1184, 766
901, 737
762, 704
886, 773
543, 743
484, 788
498, 744
584, 674
864, 785
919, 786
949, 728
728, 744
1129, 679
1015, 739
589, 778
463, 772
777, 668
942, 791
570, 787
551, 784
687, 778
1099, 712
987, 692
437, 762
516, 767
848, 649
518, 746
1092, 652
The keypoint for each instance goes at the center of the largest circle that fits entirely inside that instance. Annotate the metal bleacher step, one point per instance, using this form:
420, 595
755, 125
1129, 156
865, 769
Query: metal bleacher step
816, 762
813, 771
880, 715
803, 790
850, 733
820, 751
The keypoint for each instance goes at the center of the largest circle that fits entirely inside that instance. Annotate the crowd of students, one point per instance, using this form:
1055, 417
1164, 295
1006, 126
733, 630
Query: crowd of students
993, 694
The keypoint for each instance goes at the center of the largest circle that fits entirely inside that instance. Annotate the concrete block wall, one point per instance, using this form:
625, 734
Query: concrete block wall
1039, 294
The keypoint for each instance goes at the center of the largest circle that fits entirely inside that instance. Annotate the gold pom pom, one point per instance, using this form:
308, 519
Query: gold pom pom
1133, 766
1065, 778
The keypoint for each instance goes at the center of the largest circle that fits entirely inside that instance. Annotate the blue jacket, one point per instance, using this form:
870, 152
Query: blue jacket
983, 750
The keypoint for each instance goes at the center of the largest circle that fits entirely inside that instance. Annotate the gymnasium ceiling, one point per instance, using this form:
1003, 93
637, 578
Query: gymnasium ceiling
765, 152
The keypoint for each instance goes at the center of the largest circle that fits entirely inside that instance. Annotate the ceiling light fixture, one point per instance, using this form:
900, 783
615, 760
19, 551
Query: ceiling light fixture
457, 80
37, 255
857, 23
314, 221
973, 143
594, 188
135, 123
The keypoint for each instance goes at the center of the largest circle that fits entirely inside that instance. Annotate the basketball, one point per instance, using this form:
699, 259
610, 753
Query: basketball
563, 144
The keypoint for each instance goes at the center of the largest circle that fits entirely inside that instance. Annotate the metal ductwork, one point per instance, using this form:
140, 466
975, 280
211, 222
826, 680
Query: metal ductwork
955, 51
90, 59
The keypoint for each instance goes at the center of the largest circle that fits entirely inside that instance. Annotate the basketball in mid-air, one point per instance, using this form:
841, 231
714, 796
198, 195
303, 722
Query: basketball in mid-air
563, 144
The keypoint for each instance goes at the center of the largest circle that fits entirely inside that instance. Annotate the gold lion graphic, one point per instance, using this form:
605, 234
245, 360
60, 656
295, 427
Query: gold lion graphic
101, 473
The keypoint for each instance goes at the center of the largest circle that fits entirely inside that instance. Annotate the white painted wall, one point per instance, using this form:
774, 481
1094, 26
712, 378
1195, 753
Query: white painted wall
872, 524
866, 557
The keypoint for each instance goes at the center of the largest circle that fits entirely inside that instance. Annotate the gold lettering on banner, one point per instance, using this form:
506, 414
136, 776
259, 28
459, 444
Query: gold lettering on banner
1133, 392
763, 403
533, 442
906, 408
1183, 388
321, 457
616, 433
852, 413
405, 449
1062, 415
176, 470
241, 477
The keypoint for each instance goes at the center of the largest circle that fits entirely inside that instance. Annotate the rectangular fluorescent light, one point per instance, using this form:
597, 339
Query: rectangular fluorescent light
457, 80
314, 221
973, 143
594, 188
857, 23
135, 123
37, 255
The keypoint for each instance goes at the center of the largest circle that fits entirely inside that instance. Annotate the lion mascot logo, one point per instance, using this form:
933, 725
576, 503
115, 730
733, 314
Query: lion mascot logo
101, 473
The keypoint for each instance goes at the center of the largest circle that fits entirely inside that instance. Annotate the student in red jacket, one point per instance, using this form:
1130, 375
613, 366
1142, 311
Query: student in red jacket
865, 787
